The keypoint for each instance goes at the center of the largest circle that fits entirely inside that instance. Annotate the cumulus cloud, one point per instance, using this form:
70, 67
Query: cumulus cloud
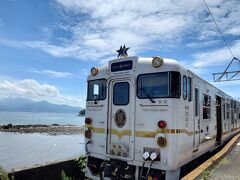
52, 73
98, 28
215, 57
31, 89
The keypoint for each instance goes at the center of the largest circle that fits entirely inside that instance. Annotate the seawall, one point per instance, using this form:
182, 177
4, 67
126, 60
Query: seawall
50, 172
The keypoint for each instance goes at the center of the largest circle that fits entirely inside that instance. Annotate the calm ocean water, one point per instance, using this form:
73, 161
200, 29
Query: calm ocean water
26, 150
19, 151
40, 118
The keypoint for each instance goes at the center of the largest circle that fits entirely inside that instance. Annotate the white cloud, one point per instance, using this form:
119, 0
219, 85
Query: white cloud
48, 32
31, 89
96, 28
57, 74
99, 27
216, 57
234, 31
52, 73
203, 44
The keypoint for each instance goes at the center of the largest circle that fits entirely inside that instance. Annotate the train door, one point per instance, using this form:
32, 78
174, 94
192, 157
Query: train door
196, 140
219, 119
120, 130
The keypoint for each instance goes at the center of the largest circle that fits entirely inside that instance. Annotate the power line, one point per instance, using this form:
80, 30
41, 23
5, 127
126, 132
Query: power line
218, 29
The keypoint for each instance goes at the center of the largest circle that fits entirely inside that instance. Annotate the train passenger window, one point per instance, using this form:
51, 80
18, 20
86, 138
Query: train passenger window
121, 93
206, 106
228, 106
96, 90
189, 89
184, 87
224, 111
196, 101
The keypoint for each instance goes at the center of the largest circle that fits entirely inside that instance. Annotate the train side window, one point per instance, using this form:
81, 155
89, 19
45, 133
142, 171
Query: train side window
196, 102
206, 106
228, 109
189, 89
184, 87
224, 111
228, 106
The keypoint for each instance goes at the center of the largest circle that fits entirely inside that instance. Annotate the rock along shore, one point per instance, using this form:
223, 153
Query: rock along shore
53, 129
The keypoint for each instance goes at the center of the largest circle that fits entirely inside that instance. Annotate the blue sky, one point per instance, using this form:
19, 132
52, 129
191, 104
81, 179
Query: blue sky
47, 47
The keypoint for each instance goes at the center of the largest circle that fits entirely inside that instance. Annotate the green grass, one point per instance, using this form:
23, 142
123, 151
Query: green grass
65, 177
224, 161
4, 175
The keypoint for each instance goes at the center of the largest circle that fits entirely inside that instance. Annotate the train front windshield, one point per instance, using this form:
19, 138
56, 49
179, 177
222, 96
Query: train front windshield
159, 85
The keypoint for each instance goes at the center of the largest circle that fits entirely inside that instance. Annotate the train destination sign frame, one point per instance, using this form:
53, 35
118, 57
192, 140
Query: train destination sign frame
121, 66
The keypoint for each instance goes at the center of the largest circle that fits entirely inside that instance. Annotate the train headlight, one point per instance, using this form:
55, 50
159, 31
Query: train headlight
153, 156
157, 62
162, 141
146, 155
88, 120
162, 124
94, 71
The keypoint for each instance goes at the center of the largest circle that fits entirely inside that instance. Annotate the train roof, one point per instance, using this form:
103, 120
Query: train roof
141, 62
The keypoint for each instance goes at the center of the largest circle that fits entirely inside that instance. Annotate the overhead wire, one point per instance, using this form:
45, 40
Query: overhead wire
218, 28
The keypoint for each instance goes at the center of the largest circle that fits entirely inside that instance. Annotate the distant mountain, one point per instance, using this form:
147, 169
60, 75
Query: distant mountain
26, 105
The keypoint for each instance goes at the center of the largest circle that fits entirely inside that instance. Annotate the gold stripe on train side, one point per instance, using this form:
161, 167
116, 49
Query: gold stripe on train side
147, 134
120, 134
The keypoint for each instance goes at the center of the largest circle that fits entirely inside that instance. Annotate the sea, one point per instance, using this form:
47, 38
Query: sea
20, 151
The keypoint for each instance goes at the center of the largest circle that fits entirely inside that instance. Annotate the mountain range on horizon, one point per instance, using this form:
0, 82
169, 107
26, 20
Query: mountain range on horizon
26, 105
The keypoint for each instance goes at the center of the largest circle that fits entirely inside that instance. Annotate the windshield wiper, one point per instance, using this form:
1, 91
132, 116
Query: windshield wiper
148, 96
96, 99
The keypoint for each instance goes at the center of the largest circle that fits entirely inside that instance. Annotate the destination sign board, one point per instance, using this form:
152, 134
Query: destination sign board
121, 66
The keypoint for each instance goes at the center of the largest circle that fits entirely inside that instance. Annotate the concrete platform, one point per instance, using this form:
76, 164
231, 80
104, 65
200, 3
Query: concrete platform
229, 166
223, 165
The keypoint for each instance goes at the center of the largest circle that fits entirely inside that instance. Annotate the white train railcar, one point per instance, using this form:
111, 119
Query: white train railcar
151, 116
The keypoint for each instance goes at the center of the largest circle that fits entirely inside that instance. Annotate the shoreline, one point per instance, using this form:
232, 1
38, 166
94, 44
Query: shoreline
53, 129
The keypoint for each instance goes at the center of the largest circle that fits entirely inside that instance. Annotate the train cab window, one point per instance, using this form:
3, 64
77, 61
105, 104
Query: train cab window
184, 87
175, 81
121, 94
206, 106
159, 85
96, 89
189, 89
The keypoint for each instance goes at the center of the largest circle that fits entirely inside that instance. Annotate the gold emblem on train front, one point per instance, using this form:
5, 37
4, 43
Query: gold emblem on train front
120, 118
